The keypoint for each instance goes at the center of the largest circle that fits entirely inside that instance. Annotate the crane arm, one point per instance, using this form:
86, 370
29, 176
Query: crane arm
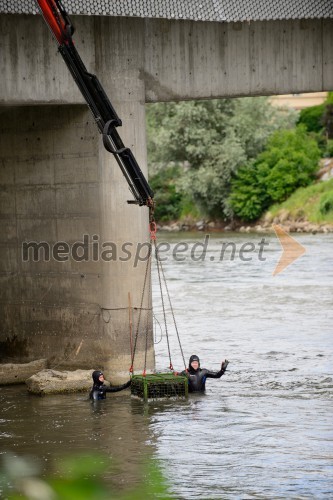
105, 115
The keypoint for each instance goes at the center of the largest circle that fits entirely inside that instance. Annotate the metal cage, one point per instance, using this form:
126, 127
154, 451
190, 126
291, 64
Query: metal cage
159, 386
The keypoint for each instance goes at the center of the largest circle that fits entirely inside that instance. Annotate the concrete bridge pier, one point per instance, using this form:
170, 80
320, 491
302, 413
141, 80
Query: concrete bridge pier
60, 190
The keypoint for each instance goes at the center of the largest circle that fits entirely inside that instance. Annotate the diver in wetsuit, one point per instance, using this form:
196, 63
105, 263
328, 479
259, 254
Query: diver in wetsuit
197, 376
99, 390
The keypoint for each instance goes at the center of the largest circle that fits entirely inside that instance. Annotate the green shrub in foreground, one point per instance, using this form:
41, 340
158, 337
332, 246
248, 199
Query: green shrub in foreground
80, 477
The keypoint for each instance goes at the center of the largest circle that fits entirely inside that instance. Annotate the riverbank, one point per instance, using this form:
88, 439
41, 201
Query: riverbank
307, 210
263, 226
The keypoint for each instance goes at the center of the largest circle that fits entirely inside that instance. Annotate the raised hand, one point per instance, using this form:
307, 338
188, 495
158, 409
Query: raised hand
224, 364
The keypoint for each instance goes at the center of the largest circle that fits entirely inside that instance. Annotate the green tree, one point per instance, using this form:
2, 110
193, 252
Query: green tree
312, 118
289, 161
167, 198
210, 140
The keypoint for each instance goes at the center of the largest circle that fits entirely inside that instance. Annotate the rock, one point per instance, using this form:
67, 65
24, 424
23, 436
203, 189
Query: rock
211, 225
314, 228
268, 218
228, 228
284, 215
259, 229
11, 373
266, 224
242, 229
57, 382
200, 225
302, 224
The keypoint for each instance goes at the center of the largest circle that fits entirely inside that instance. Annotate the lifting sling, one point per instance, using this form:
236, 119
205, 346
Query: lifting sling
147, 285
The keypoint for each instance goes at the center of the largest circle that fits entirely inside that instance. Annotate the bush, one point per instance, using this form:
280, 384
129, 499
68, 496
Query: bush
289, 161
326, 203
312, 118
213, 139
168, 199
329, 149
248, 196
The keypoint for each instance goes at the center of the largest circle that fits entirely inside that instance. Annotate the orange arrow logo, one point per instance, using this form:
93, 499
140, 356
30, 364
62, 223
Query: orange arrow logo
292, 250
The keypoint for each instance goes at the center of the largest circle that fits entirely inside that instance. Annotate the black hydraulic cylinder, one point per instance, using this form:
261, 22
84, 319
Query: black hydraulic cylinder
105, 115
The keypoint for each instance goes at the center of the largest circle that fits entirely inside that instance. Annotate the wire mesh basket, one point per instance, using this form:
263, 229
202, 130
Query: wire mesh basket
159, 386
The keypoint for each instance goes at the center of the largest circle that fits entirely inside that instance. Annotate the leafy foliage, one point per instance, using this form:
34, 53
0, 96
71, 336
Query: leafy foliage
326, 203
328, 120
312, 203
289, 161
328, 152
210, 140
312, 118
81, 478
319, 120
168, 198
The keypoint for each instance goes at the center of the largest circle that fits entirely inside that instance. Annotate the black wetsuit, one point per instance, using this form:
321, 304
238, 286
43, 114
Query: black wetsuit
99, 390
197, 378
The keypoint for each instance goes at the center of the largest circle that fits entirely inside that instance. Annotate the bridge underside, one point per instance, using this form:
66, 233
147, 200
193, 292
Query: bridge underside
174, 60
58, 184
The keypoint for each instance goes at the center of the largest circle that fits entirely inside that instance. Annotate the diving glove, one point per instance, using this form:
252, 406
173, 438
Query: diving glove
224, 365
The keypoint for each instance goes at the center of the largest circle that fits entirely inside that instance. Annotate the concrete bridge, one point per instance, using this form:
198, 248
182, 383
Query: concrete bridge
59, 184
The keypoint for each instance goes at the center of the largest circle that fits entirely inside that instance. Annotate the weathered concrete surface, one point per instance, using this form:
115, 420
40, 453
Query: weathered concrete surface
57, 185
18, 373
59, 382
172, 60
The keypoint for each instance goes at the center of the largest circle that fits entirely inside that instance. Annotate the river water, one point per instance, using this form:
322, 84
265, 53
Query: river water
264, 430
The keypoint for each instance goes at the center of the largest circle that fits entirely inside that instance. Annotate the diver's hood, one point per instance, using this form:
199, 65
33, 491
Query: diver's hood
95, 376
194, 357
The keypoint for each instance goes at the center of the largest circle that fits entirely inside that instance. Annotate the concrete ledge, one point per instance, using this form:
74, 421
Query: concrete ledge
13, 373
56, 382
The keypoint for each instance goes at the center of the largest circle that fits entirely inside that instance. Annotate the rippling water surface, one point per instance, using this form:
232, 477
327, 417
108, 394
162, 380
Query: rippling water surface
264, 430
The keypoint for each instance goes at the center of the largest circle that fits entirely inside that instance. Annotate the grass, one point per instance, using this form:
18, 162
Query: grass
313, 203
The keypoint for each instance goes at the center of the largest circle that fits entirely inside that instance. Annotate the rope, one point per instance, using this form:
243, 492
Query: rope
130, 320
173, 316
162, 299
139, 319
160, 271
147, 322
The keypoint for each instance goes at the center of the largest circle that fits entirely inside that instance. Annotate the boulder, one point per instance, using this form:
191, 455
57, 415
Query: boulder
259, 228
175, 227
268, 218
200, 226
284, 215
59, 382
14, 373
